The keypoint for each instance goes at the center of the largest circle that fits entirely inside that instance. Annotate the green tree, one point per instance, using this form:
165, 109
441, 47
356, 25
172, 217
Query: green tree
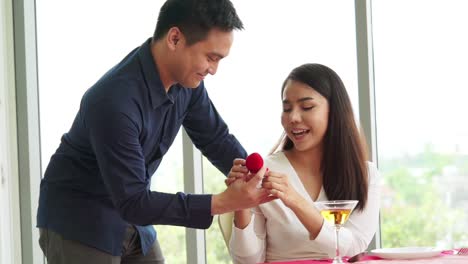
414, 213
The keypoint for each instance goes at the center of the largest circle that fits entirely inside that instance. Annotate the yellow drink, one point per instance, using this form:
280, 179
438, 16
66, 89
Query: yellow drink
336, 216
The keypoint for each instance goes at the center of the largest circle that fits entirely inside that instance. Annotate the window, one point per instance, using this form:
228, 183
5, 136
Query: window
422, 135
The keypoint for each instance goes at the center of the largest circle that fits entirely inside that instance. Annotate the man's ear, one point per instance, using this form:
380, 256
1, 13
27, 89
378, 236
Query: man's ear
174, 38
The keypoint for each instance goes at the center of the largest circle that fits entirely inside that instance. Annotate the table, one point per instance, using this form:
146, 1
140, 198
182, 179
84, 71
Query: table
441, 259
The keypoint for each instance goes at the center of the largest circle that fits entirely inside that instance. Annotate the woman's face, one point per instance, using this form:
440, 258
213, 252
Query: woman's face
305, 115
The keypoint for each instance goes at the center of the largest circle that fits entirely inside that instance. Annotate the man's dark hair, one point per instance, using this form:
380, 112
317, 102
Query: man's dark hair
195, 18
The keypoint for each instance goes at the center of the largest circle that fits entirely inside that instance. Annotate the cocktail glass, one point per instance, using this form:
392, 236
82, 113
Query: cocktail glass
337, 213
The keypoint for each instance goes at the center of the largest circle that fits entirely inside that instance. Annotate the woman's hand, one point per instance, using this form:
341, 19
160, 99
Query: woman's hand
279, 186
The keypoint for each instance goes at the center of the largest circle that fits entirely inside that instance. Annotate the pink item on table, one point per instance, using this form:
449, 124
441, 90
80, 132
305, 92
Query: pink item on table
441, 259
302, 262
318, 261
445, 257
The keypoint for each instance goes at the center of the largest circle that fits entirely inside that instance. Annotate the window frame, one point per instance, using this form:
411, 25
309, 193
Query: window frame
27, 120
10, 232
366, 86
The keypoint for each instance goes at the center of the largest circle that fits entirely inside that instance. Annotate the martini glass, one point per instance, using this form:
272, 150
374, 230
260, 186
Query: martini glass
336, 213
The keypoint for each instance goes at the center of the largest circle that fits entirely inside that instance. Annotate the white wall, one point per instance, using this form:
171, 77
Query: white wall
10, 242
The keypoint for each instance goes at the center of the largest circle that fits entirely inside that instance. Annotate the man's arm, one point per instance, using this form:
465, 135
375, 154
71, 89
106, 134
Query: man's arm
209, 133
114, 137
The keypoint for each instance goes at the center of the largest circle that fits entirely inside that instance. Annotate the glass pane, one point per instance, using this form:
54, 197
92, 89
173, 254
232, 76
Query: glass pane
170, 178
78, 41
216, 250
420, 63
247, 87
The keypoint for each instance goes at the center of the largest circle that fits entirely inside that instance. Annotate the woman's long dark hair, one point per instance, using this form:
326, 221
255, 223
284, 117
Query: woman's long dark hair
344, 158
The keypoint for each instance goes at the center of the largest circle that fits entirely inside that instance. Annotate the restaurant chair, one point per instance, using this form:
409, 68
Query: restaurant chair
225, 222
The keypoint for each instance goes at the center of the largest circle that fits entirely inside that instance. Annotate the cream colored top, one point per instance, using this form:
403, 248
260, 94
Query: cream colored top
276, 234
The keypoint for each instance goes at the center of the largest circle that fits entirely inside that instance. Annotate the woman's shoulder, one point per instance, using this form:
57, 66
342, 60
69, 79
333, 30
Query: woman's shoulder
277, 156
276, 159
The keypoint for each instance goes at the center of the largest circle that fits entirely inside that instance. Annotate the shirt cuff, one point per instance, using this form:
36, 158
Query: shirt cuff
244, 242
200, 211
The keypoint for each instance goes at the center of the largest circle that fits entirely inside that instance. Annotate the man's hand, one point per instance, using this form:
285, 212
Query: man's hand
241, 194
238, 171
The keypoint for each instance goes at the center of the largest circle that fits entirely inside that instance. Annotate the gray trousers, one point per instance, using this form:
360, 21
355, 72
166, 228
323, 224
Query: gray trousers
62, 251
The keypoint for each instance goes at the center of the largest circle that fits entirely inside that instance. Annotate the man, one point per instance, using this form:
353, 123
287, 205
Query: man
95, 204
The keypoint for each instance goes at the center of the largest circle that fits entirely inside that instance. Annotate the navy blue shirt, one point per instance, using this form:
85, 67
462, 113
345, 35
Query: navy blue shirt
98, 180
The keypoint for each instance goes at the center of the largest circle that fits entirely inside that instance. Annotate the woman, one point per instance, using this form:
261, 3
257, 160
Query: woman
321, 156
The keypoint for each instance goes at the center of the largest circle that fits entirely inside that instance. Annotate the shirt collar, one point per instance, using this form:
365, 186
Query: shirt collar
158, 95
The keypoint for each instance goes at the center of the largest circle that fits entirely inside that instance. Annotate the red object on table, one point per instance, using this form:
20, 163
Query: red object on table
254, 162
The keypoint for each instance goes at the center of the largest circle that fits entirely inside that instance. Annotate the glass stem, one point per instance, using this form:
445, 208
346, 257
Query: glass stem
337, 243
